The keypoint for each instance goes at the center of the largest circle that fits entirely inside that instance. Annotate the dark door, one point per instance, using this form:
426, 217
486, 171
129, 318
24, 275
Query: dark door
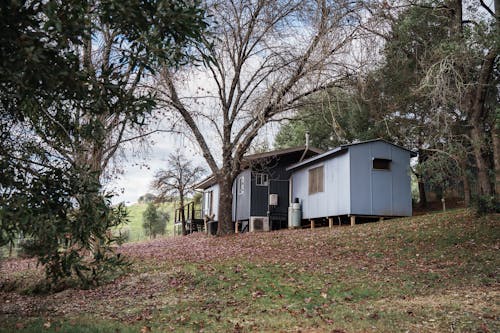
278, 215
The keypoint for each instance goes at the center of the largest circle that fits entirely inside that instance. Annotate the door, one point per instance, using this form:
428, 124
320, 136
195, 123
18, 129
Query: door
381, 192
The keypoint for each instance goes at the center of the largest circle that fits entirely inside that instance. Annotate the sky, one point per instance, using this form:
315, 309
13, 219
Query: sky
139, 171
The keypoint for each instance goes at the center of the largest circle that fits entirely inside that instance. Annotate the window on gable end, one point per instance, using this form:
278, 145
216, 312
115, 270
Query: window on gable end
381, 164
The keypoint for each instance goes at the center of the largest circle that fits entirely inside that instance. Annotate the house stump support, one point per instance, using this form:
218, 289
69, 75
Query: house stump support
353, 220
312, 224
236, 227
330, 222
381, 218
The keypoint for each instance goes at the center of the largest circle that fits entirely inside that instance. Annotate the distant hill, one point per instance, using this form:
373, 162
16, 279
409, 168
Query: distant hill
134, 226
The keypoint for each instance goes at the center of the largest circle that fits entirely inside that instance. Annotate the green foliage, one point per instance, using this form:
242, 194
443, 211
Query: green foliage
147, 198
486, 205
154, 221
55, 104
69, 239
332, 118
135, 216
167, 27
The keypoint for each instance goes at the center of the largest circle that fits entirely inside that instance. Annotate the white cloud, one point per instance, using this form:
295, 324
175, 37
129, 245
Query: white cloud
139, 171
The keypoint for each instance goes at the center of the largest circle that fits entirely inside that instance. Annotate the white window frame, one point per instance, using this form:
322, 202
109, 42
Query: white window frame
261, 179
241, 185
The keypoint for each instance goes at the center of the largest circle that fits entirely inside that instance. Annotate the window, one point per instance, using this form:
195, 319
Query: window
261, 179
209, 202
381, 164
241, 185
316, 180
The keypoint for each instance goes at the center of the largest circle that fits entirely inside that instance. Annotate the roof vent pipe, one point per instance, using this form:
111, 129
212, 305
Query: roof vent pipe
307, 147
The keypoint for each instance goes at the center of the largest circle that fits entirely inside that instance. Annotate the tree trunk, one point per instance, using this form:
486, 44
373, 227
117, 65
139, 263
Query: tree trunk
481, 163
183, 216
466, 183
225, 216
422, 198
496, 158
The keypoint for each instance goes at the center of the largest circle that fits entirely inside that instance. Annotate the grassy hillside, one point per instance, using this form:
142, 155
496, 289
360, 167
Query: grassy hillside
432, 273
134, 226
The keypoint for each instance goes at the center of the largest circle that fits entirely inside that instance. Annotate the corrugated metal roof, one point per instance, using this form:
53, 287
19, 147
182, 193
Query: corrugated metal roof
279, 152
341, 149
316, 158
210, 180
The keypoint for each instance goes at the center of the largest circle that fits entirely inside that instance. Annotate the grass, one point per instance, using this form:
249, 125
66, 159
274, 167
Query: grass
134, 226
432, 273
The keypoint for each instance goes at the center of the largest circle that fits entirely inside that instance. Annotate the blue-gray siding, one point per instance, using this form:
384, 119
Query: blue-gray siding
352, 186
334, 200
380, 192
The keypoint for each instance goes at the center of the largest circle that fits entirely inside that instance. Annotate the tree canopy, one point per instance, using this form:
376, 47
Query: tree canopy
68, 77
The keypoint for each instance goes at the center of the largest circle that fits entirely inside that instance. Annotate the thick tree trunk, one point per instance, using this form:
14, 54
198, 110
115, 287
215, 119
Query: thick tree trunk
481, 163
422, 198
478, 113
225, 216
496, 158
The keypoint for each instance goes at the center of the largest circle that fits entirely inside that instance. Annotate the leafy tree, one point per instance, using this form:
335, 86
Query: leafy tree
177, 180
64, 114
437, 86
147, 198
332, 118
154, 221
393, 88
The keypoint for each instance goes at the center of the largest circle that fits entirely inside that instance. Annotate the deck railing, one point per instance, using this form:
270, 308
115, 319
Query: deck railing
190, 213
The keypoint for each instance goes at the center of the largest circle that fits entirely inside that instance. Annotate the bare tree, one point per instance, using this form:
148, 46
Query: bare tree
114, 59
178, 179
261, 61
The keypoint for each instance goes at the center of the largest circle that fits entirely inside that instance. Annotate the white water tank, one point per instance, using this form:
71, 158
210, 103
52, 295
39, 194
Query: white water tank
294, 215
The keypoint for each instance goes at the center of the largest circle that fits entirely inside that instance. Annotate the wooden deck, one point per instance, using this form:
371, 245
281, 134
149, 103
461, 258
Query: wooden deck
194, 220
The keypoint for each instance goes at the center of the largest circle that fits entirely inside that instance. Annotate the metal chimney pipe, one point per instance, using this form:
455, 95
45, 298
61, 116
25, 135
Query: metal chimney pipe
307, 147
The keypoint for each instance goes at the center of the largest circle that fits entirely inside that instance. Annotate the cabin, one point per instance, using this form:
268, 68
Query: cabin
367, 179
364, 180
260, 192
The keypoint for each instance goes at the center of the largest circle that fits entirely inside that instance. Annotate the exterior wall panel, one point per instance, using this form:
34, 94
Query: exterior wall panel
380, 192
215, 201
401, 184
334, 200
242, 200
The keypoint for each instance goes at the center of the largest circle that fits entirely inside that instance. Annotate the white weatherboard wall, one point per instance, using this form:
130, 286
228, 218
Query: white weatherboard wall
380, 192
215, 201
242, 198
335, 199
